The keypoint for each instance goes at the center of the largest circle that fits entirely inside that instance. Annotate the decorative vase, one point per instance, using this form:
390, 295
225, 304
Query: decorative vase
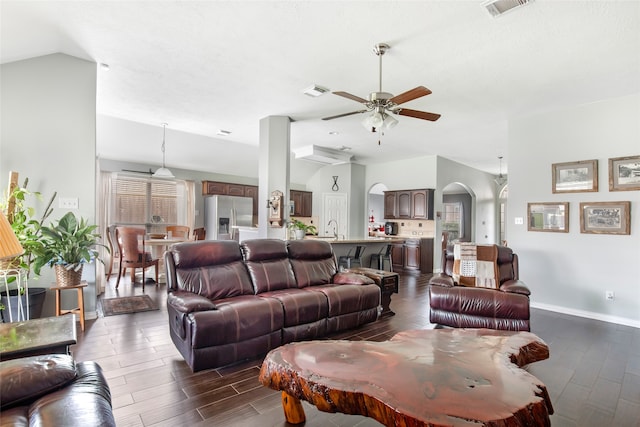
66, 277
299, 234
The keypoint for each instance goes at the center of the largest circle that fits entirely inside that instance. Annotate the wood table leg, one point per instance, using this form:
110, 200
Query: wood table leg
293, 410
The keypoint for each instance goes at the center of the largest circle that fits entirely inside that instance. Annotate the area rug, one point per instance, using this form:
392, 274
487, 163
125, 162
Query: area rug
127, 305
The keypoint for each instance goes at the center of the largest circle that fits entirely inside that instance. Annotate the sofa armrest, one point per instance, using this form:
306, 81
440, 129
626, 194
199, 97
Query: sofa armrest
188, 302
515, 287
441, 279
180, 304
346, 278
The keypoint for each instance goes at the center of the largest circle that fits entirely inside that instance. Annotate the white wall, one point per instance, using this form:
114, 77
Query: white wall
570, 272
49, 135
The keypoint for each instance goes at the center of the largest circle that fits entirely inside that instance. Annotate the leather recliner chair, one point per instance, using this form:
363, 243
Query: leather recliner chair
54, 390
504, 308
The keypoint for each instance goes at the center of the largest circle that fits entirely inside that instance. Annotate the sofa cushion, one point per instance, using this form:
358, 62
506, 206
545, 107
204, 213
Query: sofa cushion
300, 306
236, 319
345, 299
268, 264
213, 269
312, 261
28, 378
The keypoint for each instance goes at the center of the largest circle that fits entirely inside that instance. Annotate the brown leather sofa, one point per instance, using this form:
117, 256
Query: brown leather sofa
53, 390
227, 302
506, 308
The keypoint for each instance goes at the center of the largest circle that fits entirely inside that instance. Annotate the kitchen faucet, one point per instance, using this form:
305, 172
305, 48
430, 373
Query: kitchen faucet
335, 228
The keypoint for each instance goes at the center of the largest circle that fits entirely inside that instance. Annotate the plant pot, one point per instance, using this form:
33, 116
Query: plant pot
299, 234
36, 302
66, 277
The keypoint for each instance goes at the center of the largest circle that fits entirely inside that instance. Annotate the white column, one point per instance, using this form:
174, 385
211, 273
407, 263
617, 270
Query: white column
273, 170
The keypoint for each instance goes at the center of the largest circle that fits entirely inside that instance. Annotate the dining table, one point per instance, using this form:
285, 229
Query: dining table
158, 247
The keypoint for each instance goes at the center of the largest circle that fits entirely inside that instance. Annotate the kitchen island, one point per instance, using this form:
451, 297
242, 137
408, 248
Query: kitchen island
372, 245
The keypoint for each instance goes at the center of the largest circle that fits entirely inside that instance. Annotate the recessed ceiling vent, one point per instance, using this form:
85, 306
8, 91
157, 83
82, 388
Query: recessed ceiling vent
323, 155
498, 7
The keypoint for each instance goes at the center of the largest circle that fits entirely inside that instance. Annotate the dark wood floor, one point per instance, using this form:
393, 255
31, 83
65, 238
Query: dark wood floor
593, 374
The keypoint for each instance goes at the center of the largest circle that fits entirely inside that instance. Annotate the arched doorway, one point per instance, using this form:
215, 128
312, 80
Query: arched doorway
375, 208
457, 213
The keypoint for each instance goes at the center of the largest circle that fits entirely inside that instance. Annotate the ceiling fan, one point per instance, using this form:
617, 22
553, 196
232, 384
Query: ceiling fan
382, 104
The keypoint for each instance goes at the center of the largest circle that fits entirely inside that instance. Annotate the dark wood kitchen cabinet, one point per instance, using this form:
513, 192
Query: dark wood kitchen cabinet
413, 255
422, 204
397, 256
302, 202
252, 191
404, 204
216, 188
409, 204
426, 255
236, 190
390, 205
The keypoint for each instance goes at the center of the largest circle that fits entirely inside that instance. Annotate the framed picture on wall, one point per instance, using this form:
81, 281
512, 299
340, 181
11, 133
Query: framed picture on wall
624, 173
605, 217
548, 216
574, 177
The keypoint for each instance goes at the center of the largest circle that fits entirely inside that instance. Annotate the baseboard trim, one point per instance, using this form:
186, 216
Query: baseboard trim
588, 314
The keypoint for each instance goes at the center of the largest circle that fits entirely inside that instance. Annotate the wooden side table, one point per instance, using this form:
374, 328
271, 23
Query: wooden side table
388, 283
78, 310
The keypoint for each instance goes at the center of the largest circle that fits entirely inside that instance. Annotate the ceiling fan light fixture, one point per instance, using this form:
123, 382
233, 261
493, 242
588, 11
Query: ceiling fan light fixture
163, 172
389, 122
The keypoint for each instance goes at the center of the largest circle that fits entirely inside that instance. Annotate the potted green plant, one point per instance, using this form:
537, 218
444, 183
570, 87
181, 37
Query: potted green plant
300, 229
69, 243
28, 231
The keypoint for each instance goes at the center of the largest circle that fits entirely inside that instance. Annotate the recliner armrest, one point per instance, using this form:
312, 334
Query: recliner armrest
515, 287
441, 279
188, 302
346, 278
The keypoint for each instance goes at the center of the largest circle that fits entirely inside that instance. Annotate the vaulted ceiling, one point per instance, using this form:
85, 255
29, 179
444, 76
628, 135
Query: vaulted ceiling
210, 65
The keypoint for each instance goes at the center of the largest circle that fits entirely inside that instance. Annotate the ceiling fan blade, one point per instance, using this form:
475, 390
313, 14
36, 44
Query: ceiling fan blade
410, 94
351, 97
344, 115
149, 172
418, 114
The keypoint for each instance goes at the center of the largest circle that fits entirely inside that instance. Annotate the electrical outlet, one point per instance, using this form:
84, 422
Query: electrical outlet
609, 295
68, 203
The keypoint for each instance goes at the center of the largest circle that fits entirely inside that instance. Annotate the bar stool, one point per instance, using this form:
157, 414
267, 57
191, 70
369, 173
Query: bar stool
78, 310
384, 254
348, 259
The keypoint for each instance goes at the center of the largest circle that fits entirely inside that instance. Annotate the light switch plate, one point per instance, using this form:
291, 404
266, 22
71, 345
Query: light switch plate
68, 203
519, 220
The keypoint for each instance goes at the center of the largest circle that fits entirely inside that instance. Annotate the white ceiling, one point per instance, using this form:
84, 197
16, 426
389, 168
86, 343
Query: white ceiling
209, 65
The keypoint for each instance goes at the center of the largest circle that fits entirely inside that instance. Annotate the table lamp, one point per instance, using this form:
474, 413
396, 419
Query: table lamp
9, 245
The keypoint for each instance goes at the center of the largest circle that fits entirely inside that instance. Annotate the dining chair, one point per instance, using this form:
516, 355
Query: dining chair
181, 231
114, 252
199, 233
131, 254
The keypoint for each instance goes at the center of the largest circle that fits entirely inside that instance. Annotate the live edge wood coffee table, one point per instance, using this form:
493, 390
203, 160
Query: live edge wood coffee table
441, 377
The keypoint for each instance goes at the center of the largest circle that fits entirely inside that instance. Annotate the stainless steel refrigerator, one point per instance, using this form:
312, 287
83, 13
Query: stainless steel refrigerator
223, 213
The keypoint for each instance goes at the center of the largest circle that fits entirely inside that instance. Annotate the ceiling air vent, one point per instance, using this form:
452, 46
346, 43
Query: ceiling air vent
327, 156
498, 7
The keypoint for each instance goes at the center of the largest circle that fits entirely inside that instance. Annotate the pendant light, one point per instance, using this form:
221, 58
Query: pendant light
501, 179
163, 172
